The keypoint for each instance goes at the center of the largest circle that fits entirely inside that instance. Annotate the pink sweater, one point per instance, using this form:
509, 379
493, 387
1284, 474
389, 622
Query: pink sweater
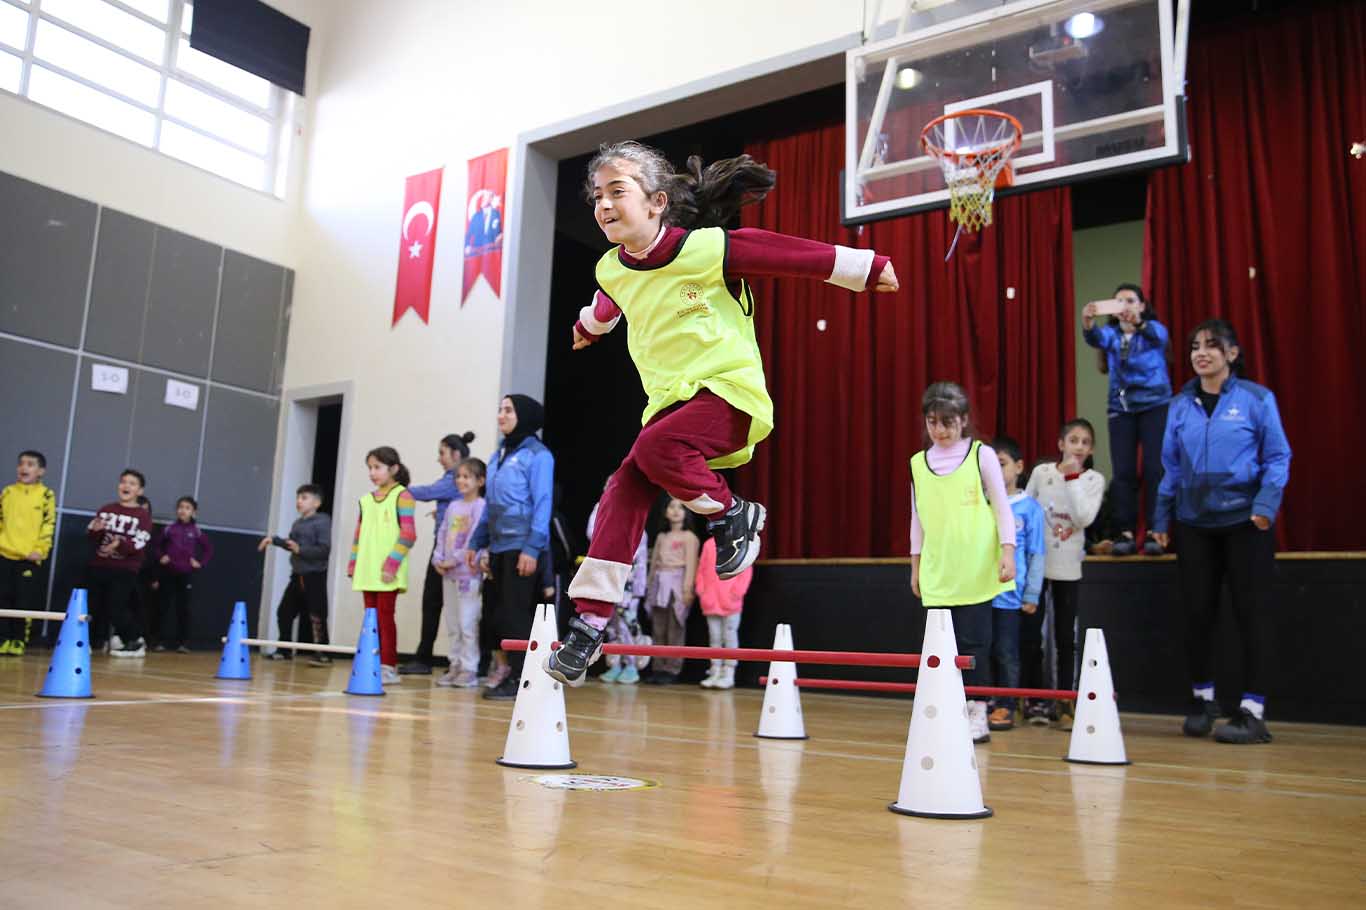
943, 460
720, 598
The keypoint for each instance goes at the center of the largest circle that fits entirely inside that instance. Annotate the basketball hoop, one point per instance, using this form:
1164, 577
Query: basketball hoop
973, 148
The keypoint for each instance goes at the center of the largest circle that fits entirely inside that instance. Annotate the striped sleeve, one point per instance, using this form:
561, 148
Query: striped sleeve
355, 550
407, 533
49, 526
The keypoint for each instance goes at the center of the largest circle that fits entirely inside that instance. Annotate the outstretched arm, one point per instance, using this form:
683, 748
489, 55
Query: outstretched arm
756, 253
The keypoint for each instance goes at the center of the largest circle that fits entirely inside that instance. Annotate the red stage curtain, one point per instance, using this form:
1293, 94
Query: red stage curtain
1266, 227
835, 471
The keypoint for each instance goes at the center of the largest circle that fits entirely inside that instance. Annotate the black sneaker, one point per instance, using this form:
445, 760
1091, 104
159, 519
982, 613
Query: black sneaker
1125, 546
737, 536
505, 690
1036, 713
576, 653
1244, 729
1200, 717
415, 667
1151, 547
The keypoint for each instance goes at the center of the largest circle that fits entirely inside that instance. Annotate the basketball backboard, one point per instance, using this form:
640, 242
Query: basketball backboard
1097, 86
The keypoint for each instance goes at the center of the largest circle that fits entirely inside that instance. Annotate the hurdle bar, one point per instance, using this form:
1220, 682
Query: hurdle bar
299, 646
38, 614
837, 658
859, 685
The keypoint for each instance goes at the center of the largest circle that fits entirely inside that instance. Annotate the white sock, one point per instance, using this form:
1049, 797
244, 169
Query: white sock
1255, 705
1205, 691
594, 620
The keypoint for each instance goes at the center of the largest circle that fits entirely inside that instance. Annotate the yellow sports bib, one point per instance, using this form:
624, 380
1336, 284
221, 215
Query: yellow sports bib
961, 553
686, 332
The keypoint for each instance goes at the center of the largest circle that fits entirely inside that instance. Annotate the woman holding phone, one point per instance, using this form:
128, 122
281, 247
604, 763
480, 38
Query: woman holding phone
1132, 347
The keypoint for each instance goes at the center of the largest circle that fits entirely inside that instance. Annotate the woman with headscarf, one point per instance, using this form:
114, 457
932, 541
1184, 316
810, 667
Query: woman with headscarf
515, 526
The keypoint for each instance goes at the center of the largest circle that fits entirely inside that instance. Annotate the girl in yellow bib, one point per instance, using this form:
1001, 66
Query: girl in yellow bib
962, 541
681, 280
379, 552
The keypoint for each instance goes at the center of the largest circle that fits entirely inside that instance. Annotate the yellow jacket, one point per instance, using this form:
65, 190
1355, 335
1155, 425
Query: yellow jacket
28, 519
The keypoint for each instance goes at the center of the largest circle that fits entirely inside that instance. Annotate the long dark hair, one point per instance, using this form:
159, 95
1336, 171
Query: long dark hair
459, 444
1221, 332
700, 197
388, 455
1148, 314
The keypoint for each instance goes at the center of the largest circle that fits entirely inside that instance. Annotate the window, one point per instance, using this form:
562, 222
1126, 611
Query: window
126, 66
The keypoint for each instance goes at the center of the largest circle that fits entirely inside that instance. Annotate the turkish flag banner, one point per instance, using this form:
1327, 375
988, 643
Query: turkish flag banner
484, 221
417, 245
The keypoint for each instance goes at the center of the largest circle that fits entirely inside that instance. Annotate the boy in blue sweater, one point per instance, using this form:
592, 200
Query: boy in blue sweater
1007, 607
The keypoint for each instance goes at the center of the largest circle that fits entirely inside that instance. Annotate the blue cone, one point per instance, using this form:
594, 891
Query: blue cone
68, 676
236, 660
365, 678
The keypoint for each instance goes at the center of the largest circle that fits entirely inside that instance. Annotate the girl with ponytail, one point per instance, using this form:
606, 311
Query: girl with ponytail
379, 550
682, 280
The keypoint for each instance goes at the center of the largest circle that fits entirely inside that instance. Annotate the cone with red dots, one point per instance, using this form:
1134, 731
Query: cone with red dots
1096, 737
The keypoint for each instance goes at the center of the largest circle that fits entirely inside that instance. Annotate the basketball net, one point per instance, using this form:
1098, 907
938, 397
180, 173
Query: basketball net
973, 149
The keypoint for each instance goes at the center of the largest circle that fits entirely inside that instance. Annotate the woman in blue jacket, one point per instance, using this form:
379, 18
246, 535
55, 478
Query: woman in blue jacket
1133, 351
1227, 462
515, 527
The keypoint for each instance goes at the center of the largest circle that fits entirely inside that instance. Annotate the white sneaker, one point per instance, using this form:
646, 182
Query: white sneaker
389, 676
134, 649
977, 722
713, 675
114, 644
448, 678
727, 678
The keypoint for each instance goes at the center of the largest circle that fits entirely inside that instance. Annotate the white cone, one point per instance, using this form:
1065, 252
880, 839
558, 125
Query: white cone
782, 713
1096, 739
538, 735
939, 775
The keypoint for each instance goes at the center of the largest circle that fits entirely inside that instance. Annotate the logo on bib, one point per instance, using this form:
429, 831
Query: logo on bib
694, 301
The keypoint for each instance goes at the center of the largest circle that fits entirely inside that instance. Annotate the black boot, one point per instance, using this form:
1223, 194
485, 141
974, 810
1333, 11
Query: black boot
505, 690
583, 645
1200, 717
737, 536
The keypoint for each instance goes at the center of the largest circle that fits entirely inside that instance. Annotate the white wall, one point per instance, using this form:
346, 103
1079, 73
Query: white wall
409, 86
41, 145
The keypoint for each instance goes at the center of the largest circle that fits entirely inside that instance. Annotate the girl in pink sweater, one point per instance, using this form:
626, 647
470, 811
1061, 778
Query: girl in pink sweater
722, 600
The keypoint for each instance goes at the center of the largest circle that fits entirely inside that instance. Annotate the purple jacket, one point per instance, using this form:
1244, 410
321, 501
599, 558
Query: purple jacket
183, 541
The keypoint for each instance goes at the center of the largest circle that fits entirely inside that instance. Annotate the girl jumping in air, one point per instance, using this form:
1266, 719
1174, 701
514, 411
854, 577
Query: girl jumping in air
681, 280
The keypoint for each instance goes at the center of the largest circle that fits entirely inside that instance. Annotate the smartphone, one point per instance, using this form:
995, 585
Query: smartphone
1110, 307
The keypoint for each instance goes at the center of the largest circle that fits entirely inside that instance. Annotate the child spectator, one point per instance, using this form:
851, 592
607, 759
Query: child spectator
310, 547
379, 551
184, 550
962, 542
1024, 597
28, 521
722, 601
670, 591
1070, 492
462, 584
624, 628
119, 534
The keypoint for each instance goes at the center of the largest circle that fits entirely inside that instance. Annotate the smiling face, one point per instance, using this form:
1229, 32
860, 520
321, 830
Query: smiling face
130, 488
465, 482
1210, 359
626, 214
507, 417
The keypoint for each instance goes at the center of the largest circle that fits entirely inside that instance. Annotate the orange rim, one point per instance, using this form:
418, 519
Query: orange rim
1012, 143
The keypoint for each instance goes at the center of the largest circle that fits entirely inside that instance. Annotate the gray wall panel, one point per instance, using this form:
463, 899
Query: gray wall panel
239, 459
248, 322
165, 444
118, 294
45, 244
99, 441
35, 402
282, 338
180, 304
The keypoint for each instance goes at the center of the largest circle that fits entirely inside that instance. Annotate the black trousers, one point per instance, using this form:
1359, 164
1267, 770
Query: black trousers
20, 588
513, 599
113, 603
1244, 556
305, 599
1127, 433
1063, 597
431, 613
972, 629
176, 591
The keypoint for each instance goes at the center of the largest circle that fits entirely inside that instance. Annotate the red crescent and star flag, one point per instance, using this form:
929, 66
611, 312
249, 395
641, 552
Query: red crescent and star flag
417, 245
484, 209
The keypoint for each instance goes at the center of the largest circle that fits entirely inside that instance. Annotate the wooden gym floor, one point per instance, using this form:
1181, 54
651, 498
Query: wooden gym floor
171, 789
